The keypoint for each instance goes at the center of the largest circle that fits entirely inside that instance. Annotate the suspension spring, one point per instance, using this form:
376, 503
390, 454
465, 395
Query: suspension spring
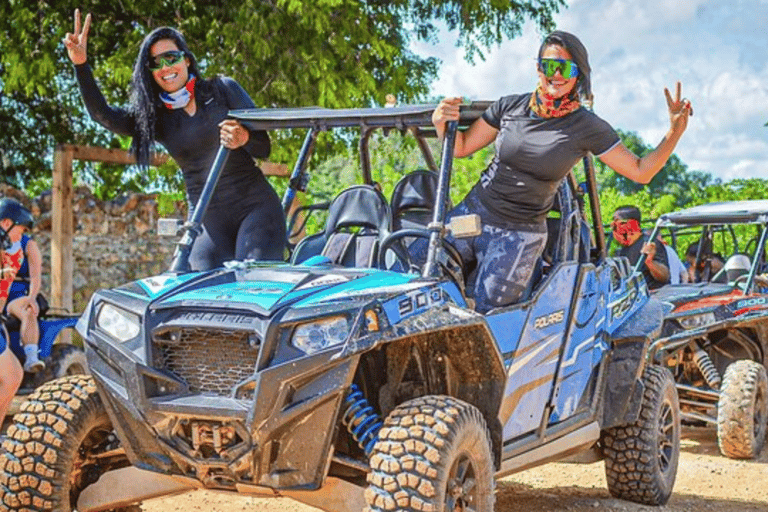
361, 420
707, 368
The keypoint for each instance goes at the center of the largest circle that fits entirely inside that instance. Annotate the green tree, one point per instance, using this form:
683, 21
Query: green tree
333, 53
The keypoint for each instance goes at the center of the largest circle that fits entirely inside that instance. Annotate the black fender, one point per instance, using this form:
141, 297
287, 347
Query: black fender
623, 389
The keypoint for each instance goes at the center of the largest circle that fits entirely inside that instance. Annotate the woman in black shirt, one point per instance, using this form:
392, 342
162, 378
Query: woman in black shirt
538, 138
172, 104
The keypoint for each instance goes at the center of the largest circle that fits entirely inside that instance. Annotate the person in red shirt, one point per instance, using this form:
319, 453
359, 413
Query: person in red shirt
15, 219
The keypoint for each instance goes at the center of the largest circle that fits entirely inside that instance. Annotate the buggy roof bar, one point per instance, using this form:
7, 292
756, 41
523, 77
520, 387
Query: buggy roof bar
755, 211
325, 118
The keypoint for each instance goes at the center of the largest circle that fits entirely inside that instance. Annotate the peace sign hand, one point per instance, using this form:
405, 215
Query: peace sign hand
679, 110
77, 42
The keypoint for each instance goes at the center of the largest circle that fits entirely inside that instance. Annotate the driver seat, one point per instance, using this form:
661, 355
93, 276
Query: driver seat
359, 218
413, 200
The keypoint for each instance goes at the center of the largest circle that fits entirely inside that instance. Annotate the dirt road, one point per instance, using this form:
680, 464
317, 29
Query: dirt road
706, 482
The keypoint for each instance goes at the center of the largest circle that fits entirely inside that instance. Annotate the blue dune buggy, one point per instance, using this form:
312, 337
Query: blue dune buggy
351, 377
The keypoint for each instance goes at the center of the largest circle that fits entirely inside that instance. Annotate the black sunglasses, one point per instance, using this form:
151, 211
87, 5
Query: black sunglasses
165, 59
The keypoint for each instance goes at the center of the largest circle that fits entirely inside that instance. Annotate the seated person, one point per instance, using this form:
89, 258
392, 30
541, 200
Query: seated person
627, 232
708, 265
678, 273
20, 301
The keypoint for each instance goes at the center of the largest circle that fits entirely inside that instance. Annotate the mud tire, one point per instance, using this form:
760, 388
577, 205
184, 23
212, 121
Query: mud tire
433, 454
48, 439
742, 410
641, 458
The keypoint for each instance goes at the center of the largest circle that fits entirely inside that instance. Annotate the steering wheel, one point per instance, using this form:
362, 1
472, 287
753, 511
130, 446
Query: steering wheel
394, 242
759, 280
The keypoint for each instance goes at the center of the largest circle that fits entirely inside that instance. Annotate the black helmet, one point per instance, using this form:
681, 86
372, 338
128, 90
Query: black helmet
17, 212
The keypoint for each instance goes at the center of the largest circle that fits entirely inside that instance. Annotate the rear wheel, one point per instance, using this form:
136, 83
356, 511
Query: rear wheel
433, 453
59, 443
67, 360
742, 410
641, 458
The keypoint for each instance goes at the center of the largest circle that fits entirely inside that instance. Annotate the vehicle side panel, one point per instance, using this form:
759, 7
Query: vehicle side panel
584, 348
531, 368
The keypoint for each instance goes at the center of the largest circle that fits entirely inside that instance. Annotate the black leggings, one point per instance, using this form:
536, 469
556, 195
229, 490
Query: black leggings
259, 236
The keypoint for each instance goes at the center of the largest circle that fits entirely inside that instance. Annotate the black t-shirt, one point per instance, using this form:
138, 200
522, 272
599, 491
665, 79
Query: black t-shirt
532, 156
193, 141
633, 254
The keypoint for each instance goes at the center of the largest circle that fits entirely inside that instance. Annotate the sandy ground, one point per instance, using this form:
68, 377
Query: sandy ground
706, 481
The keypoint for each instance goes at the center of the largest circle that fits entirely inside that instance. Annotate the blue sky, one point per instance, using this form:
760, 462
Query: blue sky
718, 49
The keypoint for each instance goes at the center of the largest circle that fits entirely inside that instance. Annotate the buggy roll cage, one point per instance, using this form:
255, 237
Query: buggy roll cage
726, 213
414, 118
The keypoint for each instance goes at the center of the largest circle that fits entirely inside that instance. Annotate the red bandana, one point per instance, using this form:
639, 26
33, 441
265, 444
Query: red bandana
624, 229
544, 105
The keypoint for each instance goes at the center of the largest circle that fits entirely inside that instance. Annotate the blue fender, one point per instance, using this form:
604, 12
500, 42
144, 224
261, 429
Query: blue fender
50, 327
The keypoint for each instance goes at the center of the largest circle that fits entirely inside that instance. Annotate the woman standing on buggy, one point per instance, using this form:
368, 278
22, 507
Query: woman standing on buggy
538, 138
173, 104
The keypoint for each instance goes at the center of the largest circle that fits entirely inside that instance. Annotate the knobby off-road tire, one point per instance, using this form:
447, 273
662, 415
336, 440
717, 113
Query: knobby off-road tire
433, 454
641, 458
742, 410
46, 461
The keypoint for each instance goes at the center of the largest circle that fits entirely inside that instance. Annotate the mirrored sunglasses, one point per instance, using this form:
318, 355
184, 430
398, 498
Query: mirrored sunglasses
568, 68
165, 59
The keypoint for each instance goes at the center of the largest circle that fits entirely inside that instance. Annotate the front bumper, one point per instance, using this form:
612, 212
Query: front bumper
278, 433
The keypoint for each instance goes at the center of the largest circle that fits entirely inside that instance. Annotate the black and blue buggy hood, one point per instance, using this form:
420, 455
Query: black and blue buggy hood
267, 291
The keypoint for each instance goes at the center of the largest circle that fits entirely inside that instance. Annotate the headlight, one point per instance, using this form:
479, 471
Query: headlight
315, 336
118, 323
696, 321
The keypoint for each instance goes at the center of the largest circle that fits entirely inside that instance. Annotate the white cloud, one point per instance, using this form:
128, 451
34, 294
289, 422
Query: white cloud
716, 49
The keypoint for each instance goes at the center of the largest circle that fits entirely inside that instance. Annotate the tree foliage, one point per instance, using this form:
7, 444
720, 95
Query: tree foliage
333, 53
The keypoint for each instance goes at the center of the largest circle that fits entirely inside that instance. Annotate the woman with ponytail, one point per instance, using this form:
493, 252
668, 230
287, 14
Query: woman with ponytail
539, 137
171, 103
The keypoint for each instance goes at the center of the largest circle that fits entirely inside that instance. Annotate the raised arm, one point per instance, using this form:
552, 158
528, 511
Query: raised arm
115, 119
477, 136
643, 169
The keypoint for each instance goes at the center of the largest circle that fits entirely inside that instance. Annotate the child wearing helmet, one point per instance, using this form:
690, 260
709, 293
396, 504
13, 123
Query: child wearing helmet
15, 219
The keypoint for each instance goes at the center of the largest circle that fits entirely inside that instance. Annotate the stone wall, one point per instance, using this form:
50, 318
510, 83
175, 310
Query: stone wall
114, 241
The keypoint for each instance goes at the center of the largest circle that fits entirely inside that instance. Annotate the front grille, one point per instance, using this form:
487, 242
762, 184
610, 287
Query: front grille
210, 361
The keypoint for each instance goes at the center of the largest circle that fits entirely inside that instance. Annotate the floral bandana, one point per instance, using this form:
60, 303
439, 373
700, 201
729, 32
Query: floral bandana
180, 98
624, 229
544, 105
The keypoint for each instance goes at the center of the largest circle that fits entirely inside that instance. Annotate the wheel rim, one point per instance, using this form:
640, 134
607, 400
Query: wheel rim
75, 369
461, 488
666, 437
85, 469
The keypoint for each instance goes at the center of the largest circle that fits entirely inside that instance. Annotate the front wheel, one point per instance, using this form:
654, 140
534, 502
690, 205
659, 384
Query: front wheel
433, 453
61, 442
742, 410
641, 458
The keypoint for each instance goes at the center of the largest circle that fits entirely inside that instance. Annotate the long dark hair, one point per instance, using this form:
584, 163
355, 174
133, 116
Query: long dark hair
145, 92
579, 53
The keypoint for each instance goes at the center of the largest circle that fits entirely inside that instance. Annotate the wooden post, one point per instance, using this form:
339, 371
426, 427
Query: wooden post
61, 229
